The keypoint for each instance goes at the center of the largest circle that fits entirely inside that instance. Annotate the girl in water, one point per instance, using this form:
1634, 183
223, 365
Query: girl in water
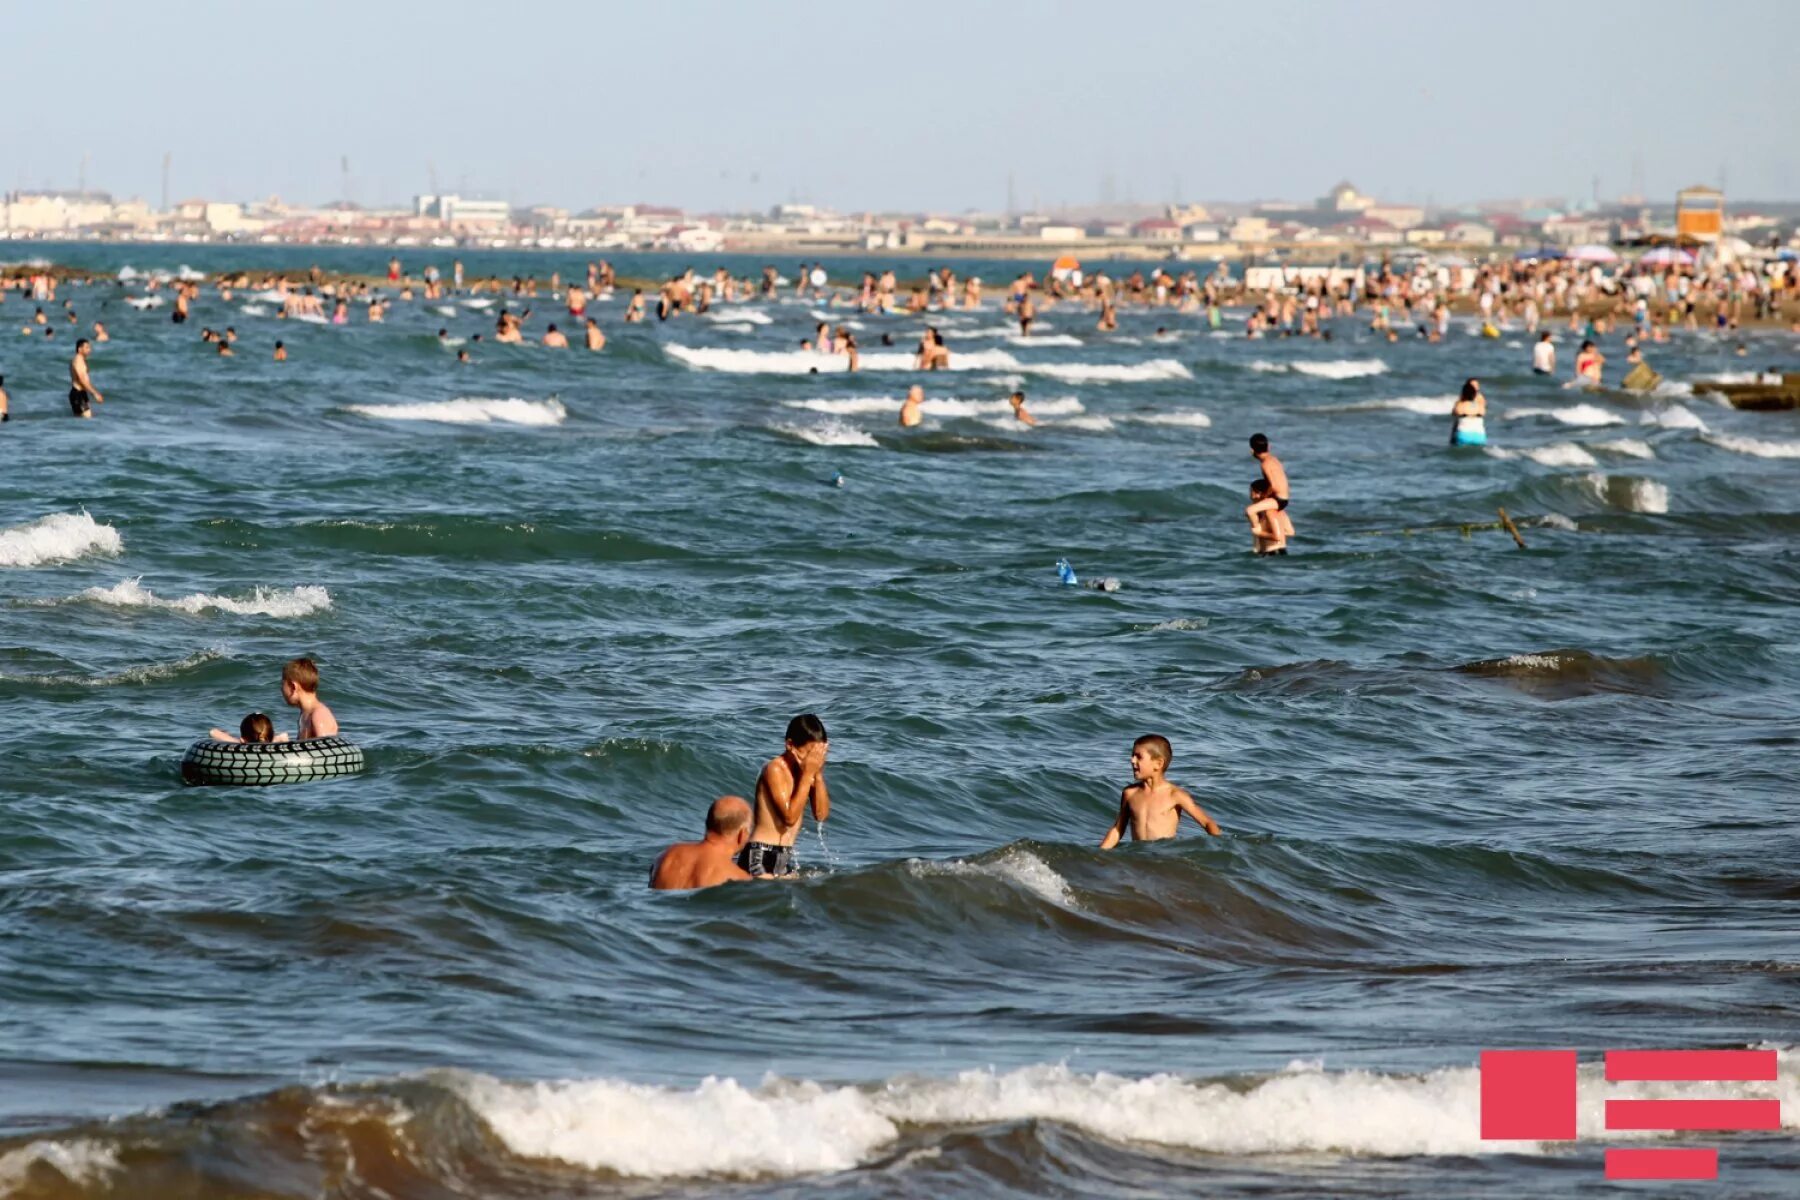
1468, 416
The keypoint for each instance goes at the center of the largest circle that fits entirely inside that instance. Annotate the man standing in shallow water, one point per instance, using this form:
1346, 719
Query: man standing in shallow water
711, 860
83, 395
787, 782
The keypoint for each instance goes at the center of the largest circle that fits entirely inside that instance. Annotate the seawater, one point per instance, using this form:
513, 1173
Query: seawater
1474, 797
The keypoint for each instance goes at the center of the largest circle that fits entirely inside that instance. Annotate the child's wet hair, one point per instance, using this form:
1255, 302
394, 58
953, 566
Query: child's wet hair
1158, 745
806, 729
303, 673
257, 728
1261, 487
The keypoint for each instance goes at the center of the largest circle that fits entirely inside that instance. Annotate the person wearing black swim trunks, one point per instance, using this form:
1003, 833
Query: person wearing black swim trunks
1275, 501
787, 784
83, 395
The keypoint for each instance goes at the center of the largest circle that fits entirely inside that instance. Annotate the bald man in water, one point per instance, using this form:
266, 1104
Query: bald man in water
713, 859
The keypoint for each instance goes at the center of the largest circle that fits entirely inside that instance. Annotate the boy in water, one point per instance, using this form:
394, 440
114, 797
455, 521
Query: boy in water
787, 782
300, 689
1266, 520
1151, 808
1274, 501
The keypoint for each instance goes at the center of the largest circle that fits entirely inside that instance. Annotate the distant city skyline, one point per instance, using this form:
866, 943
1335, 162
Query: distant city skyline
937, 107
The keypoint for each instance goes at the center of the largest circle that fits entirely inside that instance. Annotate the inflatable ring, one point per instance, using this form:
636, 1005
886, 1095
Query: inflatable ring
257, 763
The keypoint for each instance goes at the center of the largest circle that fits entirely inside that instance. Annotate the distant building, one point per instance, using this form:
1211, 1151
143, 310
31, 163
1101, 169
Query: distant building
1157, 229
1344, 198
47, 212
1400, 216
1250, 229
463, 210
1062, 233
1700, 213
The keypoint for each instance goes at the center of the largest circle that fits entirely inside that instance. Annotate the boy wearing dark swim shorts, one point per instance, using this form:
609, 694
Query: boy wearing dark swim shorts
787, 783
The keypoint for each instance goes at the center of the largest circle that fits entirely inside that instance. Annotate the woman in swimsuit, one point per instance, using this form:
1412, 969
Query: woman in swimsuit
1468, 416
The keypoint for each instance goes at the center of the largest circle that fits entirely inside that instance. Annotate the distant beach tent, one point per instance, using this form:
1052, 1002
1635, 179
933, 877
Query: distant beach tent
1700, 213
1541, 254
1664, 256
1594, 253
1065, 266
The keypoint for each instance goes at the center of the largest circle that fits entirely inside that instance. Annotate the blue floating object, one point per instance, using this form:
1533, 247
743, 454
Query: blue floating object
1066, 573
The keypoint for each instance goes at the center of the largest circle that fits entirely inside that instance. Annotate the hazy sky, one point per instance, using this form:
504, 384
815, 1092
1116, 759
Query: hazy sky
910, 105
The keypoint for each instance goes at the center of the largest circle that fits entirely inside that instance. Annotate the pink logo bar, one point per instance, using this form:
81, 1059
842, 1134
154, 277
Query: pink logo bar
1530, 1095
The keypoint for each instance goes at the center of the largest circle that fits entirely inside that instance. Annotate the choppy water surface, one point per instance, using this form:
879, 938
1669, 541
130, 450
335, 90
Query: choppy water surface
1473, 797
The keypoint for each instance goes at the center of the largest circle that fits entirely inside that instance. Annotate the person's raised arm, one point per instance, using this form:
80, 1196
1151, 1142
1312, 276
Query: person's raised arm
1186, 803
788, 794
1118, 826
821, 798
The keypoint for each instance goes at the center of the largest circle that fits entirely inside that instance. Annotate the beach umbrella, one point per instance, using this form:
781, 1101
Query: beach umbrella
1065, 266
1788, 255
1542, 253
1663, 256
1594, 253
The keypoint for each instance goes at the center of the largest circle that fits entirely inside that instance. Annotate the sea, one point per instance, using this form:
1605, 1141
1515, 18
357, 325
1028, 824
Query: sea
1473, 796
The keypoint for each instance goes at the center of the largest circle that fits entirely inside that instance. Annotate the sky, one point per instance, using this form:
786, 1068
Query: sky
913, 106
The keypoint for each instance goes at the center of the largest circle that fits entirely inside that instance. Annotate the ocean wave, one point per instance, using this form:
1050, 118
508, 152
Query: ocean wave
1628, 447
803, 362
1570, 673
947, 406
1574, 414
1019, 867
262, 602
144, 673
1758, 447
1556, 454
1431, 406
1093, 423
1044, 339
827, 433
1628, 493
1190, 418
469, 410
59, 537
736, 315
1337, 368
1673, 417
82, 1161
1143, 372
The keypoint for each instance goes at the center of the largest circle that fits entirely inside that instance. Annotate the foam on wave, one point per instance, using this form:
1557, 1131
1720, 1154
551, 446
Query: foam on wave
1337, 368
1574, 414
802, 362
828, 433
1143, 372
1757, 447
946, 406
470, 410
59, 537
1556, 454
262, 601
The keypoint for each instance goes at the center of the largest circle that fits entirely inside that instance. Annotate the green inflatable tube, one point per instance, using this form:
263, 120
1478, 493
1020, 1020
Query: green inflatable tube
257, 763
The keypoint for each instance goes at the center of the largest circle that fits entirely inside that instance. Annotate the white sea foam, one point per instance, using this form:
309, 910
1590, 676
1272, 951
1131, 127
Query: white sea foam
478, 302
187, 274
143, 302
1148, 370
1019, 867
1093, 423
253, 310
1629, 447
1574, 414
78, 1160
470, 410
59, 537
262, 602
738, 315
789, 1128
1742, 377
1673, 417
1430, 406
1556, 454
802, 362
1554, 520
1632, 495
1337, 368
1759, 447
1177, 625
828, 433
943, 406
1046, 339
1190, 418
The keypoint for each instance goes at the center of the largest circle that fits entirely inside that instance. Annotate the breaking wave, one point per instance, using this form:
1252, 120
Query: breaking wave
469, 411
59, 537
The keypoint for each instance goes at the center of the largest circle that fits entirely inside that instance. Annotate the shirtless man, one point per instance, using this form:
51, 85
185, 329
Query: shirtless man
1017, 400
910, 414
596, 340
713, 859
554, 337
1151, 808
783, 789
83, 395
1275, 504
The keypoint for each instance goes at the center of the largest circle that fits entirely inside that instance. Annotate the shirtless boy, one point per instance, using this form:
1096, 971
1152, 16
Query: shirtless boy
786, 784
1151, 808
300, 689
910, 408
713, 859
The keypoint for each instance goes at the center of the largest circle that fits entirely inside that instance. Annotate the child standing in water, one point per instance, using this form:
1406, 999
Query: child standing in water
1151, 808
